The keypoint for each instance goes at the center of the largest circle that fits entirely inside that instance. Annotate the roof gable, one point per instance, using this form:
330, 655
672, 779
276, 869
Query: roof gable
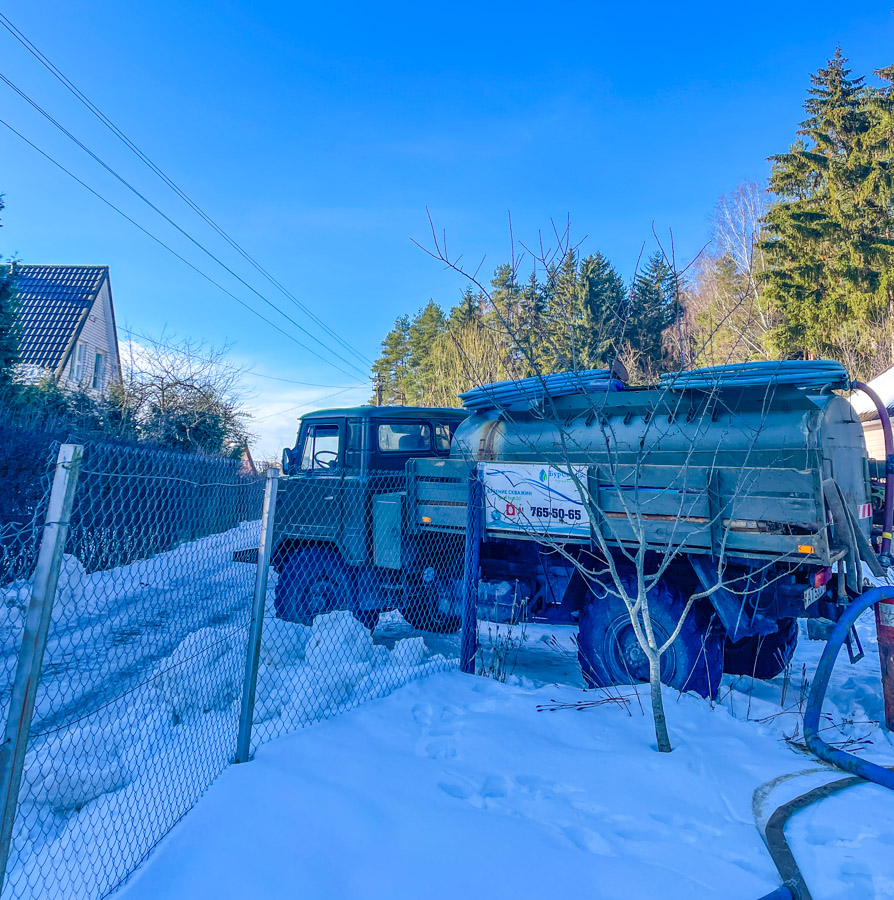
53, 304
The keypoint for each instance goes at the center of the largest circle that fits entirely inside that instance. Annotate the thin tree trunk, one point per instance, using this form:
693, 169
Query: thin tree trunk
661, 733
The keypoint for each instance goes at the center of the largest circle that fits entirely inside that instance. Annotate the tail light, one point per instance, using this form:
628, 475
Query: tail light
822, 577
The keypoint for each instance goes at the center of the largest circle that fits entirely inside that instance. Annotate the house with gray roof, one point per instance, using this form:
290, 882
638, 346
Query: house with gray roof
67, 326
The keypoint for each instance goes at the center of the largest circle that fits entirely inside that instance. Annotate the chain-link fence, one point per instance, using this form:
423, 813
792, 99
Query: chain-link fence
356, 606
22, 515
139, 704
133, 714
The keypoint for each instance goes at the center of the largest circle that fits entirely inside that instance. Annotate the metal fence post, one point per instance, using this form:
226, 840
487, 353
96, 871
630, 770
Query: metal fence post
469, 640
34, 641
250, 682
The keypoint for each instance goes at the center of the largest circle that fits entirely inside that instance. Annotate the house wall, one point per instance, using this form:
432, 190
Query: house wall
875, 439
98, 334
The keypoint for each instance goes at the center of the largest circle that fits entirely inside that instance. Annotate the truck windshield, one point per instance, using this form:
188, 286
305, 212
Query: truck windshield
443, 433
321, 448
404, 437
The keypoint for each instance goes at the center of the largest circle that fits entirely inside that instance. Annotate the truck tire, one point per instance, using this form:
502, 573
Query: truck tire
312, 582
422, 610
609, 652
762, 655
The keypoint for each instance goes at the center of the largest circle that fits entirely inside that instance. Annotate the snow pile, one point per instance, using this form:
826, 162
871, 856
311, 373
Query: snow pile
202, 674
550, 797
73, 768
283, 642
310, 673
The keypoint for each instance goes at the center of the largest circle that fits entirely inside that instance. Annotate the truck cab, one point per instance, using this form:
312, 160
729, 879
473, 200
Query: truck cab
341, 506
332, 442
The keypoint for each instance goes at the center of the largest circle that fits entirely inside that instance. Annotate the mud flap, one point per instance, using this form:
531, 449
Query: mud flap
729, 607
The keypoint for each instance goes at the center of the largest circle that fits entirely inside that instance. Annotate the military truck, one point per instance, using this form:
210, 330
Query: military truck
747, 484
339, 539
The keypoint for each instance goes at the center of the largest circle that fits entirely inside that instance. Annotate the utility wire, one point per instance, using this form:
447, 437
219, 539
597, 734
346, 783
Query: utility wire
282, 412
173, 224
67, 83
171, 250
155, 342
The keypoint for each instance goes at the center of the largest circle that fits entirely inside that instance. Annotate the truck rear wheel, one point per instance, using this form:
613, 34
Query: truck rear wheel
762, 655
312, 582
610, 654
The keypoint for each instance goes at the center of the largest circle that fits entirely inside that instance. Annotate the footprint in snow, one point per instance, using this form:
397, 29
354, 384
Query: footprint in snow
457, 791
441, 748
588, 841
423, 714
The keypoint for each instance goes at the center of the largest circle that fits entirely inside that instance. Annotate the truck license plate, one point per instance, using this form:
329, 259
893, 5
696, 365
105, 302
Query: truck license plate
811, 595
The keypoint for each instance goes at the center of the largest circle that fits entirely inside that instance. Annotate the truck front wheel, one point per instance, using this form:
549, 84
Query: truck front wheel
430, 604
610, 654
312, 582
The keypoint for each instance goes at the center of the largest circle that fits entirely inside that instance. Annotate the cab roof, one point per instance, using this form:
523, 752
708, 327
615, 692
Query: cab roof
389, 412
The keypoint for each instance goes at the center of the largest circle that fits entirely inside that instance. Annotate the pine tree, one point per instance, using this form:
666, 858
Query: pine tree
390, 369
426, 328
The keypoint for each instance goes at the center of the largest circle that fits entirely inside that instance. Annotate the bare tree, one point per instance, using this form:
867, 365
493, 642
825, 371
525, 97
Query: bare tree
737, 229
184, 393
670, 481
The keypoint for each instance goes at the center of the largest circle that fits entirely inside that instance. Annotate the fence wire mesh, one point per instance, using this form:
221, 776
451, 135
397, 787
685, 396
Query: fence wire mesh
356, 606
22, 516
139, 699
134, 714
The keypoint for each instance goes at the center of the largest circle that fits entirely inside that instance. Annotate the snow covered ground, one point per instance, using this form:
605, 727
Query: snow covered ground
138, 705
110, 628
465, 785
405, 785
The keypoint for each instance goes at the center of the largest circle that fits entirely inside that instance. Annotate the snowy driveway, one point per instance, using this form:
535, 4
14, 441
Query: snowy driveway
110, 628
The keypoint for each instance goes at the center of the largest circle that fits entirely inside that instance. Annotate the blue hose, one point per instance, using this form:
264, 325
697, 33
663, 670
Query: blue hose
803, 373
500, 394
781, 893
847, 761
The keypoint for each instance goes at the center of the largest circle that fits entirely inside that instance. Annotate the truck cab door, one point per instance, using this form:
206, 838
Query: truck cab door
315, 494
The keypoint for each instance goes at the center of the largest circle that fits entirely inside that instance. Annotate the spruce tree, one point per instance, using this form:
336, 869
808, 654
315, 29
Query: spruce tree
604, 301
651, 309
467, 311
828, 233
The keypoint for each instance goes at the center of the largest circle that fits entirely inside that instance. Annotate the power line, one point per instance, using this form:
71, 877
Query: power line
158, 343
173, 224
282, 412
171, 250
67, 83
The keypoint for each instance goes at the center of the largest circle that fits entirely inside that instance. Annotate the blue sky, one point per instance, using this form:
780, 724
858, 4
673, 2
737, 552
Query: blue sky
317, 136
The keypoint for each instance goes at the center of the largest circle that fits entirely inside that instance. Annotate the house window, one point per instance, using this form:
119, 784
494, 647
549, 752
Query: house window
99, 371
79, 362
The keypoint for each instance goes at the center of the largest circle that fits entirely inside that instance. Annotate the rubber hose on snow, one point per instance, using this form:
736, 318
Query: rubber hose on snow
847, 761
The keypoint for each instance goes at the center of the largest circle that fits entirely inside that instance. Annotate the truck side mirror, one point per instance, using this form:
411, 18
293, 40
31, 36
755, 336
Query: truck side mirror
287, 461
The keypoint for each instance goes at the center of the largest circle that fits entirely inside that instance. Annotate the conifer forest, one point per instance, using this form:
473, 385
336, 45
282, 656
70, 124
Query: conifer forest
801, 267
